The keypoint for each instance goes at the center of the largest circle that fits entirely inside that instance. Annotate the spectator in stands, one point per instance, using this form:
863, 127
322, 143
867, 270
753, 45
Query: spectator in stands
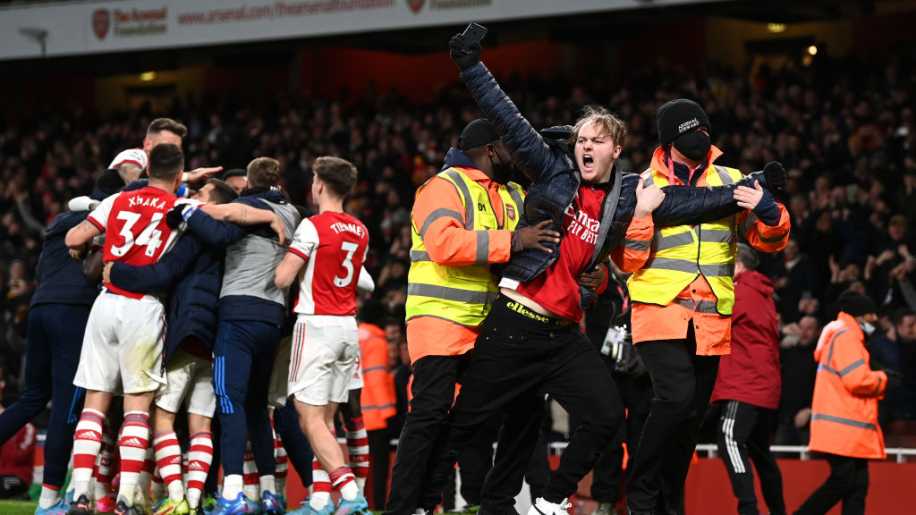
798, 370
904, 333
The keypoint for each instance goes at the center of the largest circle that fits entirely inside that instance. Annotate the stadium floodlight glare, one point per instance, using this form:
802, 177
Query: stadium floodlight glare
776, 28
812, 50
148, 76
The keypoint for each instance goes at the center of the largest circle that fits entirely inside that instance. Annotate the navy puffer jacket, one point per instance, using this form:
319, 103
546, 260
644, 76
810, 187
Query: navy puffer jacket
555, 181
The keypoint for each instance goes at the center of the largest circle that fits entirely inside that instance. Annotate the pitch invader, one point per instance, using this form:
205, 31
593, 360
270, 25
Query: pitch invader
331, 247
122, 346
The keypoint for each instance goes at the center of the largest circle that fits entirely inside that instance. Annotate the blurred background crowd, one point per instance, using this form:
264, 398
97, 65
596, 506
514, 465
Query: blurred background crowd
844, 130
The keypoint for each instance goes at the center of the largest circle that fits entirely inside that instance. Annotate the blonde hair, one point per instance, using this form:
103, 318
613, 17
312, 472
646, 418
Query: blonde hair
605, 120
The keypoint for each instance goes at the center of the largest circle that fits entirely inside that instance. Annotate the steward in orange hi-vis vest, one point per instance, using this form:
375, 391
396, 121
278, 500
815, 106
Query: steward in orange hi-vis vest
844, 411
378, 400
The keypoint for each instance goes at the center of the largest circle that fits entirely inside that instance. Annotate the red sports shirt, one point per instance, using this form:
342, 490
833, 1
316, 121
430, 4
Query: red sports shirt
135, 229
334, 247
557, 289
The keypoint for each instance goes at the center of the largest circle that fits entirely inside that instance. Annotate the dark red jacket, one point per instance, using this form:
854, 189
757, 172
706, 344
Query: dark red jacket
750, 374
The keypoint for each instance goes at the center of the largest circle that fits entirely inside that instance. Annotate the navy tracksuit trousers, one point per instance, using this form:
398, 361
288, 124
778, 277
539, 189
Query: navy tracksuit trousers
55, 336
243, 360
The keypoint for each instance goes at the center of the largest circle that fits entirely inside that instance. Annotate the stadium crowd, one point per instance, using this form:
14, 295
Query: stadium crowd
844, 131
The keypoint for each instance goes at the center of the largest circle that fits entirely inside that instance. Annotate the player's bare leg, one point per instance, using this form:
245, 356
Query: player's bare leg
318, 424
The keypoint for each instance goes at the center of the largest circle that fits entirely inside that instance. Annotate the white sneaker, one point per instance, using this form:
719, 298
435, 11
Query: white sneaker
542, 507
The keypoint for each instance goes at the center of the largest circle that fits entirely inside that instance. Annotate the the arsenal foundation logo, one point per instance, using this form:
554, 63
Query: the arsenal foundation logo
101, 22
415, 5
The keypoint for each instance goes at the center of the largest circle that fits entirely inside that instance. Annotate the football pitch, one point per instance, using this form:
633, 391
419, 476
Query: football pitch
17, 507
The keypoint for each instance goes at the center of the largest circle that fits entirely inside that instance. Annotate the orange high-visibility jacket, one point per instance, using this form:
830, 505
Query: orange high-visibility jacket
378, 398
844, 412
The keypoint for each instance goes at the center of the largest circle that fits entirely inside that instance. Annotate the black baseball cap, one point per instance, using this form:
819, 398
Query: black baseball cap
478, 133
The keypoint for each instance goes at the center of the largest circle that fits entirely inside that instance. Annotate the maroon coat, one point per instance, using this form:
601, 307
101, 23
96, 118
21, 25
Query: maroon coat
750, 374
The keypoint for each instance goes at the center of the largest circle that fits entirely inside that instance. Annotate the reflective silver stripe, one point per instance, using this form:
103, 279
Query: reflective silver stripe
721, 270
716, 235
446, 293
680, 265
844, 421
832, 340
378, 368
704, 306
637, 244
852, 366
648, 181
468, 200
828, 369
840, 373
672, 240
724, 175
517, 198
437, 214
483, 247
419, 255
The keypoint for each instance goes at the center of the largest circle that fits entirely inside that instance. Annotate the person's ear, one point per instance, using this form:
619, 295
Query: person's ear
617, 150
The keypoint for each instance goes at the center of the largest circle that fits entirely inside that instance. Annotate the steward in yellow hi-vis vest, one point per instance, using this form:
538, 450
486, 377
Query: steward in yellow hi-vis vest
683, 295
459, 287
463, 221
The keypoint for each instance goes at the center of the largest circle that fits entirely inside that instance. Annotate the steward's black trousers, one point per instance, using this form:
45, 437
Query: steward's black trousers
682, 384
520, 356
848, 482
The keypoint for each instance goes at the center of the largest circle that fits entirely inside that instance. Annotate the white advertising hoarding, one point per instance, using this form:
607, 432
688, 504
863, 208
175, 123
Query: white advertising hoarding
94, 27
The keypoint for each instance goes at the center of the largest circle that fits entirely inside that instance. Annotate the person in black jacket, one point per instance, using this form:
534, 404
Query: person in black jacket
525, 349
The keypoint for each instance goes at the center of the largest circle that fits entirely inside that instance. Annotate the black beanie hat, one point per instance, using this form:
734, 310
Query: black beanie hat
678, 117
478, 133
856, 304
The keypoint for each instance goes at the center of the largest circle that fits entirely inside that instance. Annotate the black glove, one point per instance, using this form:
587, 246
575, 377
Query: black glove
173, 218
775, 176
894, 378
463, 52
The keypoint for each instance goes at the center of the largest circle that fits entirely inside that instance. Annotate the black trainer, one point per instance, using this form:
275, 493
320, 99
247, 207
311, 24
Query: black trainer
81, 506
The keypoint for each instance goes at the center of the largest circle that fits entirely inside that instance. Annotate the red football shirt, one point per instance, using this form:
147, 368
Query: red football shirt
557, 289
334, 247
135, 229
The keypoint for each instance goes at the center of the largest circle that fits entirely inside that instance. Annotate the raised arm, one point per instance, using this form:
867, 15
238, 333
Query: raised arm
532, 152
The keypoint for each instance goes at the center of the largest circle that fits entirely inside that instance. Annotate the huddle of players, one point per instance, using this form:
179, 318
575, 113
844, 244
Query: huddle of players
154, 241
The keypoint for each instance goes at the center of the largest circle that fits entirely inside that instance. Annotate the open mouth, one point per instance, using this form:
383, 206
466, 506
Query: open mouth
588, 160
